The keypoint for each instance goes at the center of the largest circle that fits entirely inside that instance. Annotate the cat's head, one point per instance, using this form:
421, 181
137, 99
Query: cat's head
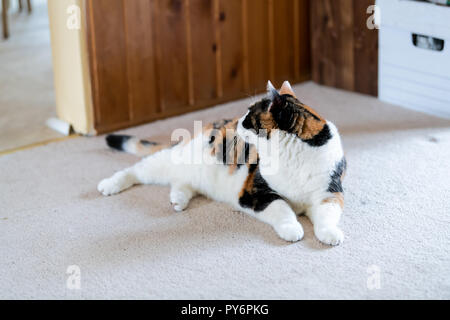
281, 110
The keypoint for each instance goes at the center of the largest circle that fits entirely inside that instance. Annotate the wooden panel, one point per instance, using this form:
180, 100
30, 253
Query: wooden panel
259, 47
108, 62
172, 40
284, 41
344, 50
366, 50
142, 76
231, 26
156, 58
345, 78
204, 49
303, 44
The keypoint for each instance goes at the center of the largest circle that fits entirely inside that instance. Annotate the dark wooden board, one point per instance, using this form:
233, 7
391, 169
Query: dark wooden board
344, 51
152, 59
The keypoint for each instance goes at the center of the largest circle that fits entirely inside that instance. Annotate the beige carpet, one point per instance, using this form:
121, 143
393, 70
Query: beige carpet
134, 245
26, 80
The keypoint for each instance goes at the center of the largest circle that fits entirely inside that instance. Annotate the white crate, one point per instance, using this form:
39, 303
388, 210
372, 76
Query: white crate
410, 76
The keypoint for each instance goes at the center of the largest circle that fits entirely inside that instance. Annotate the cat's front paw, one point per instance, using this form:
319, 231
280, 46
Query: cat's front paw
329, 235
290, 231
179, 200
109, 187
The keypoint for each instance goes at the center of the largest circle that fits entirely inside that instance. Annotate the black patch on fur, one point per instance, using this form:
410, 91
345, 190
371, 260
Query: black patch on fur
336, 177
117, 142
245, 154
230, 151
261, 194
285, 117
255, 110
247, 123
321, 138
285, 111
223, 153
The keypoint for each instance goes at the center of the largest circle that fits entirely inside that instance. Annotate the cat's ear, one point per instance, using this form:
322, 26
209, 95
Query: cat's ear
272, 93
274, 96
287, 89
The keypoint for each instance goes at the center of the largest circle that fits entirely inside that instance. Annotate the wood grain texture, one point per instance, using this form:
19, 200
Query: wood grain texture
284, 41
365, 50
5, 25
174, 68
259, 48
108, 62
142, 81
231, 28
205, 49
152, 59
303, 52
344, 50
344, 43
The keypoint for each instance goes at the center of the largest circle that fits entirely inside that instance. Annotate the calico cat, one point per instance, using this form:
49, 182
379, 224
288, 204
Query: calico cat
303, 175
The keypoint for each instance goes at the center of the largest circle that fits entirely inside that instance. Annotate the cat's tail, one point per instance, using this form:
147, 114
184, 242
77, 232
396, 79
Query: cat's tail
133, 145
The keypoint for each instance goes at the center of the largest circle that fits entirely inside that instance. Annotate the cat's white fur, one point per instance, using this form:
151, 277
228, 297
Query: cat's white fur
303, 171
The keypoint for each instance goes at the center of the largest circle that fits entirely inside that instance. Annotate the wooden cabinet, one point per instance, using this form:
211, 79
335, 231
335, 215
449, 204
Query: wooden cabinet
151, 59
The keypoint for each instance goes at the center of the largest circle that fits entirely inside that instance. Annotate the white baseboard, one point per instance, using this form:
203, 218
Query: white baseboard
59, 126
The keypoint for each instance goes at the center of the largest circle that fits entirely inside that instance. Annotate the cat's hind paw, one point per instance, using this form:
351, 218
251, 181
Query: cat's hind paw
290, 231
329, 235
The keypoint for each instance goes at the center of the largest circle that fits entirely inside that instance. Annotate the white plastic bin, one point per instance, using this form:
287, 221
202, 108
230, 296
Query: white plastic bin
409, 75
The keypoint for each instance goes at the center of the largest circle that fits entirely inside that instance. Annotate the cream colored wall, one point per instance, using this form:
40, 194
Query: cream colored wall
71, 67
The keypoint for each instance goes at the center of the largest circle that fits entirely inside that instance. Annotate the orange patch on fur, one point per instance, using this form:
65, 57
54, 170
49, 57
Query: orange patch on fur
312, 111
248, 184
310, 123
311, 127
267, 122
337, 198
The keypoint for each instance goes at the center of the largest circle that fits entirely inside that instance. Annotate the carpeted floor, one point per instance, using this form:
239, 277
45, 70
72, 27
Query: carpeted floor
134, 245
